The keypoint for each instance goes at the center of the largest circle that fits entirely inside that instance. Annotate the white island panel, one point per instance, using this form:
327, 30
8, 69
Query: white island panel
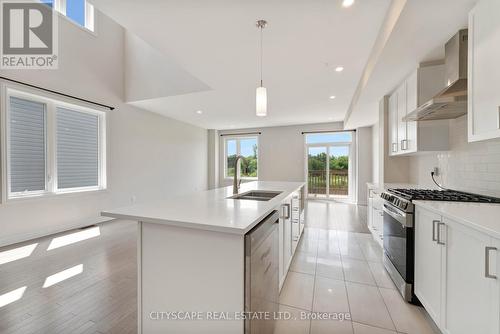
189, 270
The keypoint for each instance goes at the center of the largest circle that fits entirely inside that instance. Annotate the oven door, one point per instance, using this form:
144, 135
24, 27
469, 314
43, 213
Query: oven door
398, 240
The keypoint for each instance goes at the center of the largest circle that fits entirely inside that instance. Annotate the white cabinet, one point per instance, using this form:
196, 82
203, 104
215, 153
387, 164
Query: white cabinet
467, 289
455, 275
291, 222
393, 124
484, 71
411, 136
375, 215
429, 263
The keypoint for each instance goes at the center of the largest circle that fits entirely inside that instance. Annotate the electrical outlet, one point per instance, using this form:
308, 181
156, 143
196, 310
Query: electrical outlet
436, 171
133, 199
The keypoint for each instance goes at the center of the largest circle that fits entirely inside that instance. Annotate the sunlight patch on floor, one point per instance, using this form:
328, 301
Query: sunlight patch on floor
74, 237
63, 275
17, 253
12, 296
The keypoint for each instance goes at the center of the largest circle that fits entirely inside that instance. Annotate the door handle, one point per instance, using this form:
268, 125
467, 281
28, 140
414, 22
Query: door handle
434, 222
487, 262
439, 224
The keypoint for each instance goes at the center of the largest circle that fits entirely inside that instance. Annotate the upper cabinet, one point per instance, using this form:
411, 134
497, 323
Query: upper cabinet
484, 71
412, 136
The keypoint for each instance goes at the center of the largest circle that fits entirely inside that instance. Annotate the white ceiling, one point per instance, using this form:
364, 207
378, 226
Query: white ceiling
217, 42
419, 35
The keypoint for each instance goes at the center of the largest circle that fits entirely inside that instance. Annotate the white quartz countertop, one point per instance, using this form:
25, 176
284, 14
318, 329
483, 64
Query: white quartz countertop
483, 217
210, 210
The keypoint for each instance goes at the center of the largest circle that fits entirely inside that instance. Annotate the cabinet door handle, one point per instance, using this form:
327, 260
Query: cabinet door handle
434, 222
287, 211
404, 144
439, 224
487, 262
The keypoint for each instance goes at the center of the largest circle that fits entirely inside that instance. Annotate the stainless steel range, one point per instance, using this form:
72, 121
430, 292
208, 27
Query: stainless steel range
399, 230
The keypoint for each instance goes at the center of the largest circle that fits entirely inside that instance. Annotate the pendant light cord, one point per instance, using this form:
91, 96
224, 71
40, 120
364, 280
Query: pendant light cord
261, 53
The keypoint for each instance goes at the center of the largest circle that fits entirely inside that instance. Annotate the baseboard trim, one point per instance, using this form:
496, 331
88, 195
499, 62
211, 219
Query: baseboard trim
24, 237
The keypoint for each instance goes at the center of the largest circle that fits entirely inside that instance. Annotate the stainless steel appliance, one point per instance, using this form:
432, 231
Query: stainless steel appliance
399, 227
452, 101
261, 275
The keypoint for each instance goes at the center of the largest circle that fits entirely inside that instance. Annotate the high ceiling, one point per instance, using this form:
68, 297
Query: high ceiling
216, 45
419, 35
217, 42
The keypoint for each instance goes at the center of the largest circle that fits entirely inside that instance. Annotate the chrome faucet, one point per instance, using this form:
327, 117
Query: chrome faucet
236, 183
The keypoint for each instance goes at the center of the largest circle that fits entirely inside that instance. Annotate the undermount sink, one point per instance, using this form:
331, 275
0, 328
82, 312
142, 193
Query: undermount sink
257, 195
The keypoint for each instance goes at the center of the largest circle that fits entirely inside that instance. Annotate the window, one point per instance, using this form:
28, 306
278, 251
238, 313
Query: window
80, 12
246, 147
27, 138
330, 137
52, 146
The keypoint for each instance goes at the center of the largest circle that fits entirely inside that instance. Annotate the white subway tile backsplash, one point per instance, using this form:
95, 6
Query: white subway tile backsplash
471, 167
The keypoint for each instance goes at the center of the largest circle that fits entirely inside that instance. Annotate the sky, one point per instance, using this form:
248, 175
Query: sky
246, 147
75, 10
336, 137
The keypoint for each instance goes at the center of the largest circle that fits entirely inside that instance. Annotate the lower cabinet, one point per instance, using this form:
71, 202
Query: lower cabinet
375, 215
429, 263
455, 275
290, 230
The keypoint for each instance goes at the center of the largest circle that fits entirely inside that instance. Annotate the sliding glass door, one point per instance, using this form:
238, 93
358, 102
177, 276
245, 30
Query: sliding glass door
329, 165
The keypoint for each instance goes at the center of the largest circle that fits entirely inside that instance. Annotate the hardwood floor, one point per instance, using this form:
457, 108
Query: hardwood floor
100, 299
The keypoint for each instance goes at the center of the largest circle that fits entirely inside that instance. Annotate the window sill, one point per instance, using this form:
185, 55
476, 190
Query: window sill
37, 197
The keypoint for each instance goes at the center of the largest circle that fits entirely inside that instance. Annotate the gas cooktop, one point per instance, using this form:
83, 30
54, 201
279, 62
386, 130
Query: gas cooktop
442, 195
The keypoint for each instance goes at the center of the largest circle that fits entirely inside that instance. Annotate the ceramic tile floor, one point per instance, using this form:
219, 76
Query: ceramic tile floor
338, 271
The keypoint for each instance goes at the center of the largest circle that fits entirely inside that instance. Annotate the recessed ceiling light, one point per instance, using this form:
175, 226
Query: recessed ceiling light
339, 69
347, 3
199, 112
332, 97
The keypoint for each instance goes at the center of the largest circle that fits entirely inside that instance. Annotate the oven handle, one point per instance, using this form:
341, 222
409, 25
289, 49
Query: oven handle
400, 217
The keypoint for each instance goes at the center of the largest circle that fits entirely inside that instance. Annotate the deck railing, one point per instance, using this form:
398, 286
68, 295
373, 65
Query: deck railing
338, 180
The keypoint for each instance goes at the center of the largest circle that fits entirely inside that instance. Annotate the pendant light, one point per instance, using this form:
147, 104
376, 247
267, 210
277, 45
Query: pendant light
261, 92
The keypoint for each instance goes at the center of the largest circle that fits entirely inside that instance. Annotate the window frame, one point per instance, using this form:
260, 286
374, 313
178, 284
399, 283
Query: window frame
51, 176
89, 15
238, 139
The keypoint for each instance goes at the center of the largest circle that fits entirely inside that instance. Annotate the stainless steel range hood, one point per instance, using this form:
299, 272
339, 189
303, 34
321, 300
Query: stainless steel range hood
451, 102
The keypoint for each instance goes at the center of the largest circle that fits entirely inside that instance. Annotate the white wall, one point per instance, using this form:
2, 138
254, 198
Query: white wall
364, 162
472, 167
281, 151
213, 158
149, 156
150, 74
376, 148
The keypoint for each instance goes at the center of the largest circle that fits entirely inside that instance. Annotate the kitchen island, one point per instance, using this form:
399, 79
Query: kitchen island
191, 255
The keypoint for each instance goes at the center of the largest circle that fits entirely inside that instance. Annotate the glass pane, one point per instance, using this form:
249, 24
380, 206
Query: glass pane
49, 3
231, 156
316, 178
334, 137
27, 145
248, 149
77, 149
338, 177
75, 10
